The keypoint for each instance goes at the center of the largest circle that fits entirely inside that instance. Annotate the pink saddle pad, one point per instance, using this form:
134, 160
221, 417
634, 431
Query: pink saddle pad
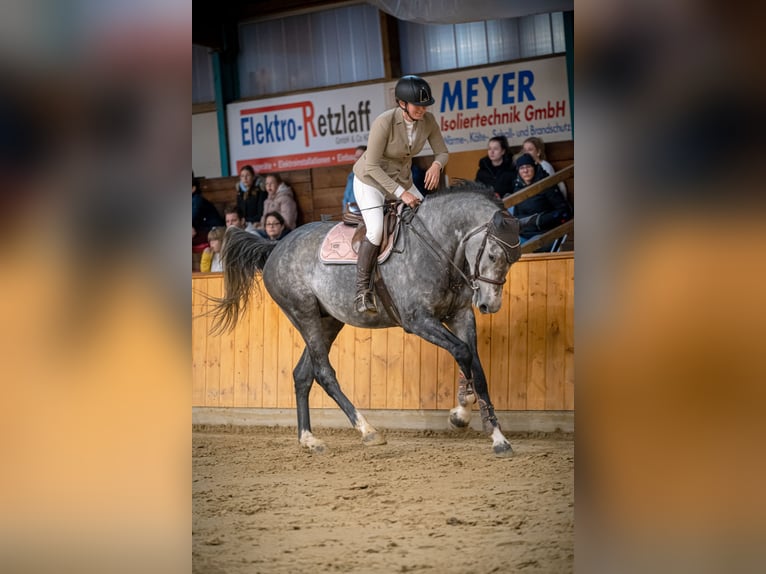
336, 247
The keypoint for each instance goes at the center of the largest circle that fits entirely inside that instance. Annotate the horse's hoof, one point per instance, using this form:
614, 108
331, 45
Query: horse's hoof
456, 423
373, 439
312, 444
503, 450
459, 418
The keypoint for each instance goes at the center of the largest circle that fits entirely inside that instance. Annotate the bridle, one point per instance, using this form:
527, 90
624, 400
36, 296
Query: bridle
475, 276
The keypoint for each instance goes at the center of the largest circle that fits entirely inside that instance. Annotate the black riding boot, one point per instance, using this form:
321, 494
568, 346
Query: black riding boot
364, 301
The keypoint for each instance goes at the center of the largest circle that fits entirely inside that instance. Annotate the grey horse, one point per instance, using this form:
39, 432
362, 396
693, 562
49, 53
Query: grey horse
452, 253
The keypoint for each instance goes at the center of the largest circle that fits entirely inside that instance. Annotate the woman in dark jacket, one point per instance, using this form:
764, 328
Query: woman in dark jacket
541, 212
251, 194
496, 169
274, 228
205, 215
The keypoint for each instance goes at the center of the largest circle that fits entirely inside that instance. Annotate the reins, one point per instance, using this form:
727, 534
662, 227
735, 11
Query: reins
440, 255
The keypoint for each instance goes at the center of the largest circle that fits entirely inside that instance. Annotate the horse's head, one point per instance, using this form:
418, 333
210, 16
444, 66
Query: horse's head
490, 250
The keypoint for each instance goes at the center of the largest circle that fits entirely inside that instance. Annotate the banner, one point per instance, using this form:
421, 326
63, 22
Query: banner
321, 129
515, 100
316, 129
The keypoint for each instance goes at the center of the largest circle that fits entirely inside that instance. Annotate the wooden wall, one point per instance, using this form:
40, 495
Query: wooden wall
527, 350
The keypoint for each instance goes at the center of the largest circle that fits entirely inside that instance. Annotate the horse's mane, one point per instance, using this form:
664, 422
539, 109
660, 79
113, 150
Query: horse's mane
467, 189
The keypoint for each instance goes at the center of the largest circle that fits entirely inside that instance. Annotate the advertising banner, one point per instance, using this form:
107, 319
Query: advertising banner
518, 101
310, 130
321, 129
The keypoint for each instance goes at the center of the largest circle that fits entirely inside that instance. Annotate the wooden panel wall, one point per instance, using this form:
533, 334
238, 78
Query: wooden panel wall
527, 350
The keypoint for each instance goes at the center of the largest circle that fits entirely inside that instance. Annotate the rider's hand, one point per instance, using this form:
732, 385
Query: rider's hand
432, 176
410, 199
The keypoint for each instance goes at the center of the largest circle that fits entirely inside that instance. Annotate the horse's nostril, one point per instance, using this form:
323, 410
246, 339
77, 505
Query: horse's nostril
483, 309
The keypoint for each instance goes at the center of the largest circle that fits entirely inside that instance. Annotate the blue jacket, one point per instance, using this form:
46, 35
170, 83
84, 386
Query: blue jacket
348, 195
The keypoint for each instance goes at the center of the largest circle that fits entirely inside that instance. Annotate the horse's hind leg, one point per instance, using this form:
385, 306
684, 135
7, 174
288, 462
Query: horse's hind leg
325, 376
303, 375
319, 336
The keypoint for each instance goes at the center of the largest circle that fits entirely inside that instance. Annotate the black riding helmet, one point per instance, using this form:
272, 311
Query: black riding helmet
414, 90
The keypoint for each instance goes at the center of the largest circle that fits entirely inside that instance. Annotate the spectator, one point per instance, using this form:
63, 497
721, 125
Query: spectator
235, 218
349, 201
280, 198
496, 169
205, 216
535, 147
274, 228
211, 256
251, 195
543, 211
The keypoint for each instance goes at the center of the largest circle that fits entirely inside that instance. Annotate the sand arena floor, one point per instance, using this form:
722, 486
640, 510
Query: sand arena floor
425, 502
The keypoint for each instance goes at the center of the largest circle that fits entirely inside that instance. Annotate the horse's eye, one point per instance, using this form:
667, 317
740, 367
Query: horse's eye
492, 258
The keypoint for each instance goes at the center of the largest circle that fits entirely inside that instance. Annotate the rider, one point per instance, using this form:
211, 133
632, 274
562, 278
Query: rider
385, 170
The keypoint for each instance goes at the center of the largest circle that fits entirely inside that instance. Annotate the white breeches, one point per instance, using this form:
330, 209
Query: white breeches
370, 201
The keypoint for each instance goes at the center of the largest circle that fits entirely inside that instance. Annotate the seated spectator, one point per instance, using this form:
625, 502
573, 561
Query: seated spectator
251, 195
235, 218
535, 147
541, 212
274, 228
496, 169
205, 216
280, 198
211, 256
349, 201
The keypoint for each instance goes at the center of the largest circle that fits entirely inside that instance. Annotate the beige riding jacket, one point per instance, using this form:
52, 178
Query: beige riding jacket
387, 163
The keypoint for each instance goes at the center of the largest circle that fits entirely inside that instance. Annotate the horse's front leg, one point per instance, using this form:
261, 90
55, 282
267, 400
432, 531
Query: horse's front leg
473, 385
460, 416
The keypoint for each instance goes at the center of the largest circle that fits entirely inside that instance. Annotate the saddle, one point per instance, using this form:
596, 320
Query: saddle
341, 244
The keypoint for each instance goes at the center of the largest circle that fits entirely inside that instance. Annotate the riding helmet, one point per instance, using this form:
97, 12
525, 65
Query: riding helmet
414, 90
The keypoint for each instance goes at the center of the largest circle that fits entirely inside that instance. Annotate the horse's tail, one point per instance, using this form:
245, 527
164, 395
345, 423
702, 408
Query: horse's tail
243, 256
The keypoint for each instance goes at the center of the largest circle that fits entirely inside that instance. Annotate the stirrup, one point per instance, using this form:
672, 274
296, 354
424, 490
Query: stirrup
365, 303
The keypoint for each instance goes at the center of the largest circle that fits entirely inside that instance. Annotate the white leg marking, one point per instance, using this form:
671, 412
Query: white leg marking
500, 444
370, 436
312, 443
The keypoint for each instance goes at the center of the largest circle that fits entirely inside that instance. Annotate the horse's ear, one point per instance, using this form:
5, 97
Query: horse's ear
505, 223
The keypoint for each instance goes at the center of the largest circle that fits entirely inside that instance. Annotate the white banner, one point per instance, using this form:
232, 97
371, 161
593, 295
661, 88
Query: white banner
299, 132
320, 129
515, 100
